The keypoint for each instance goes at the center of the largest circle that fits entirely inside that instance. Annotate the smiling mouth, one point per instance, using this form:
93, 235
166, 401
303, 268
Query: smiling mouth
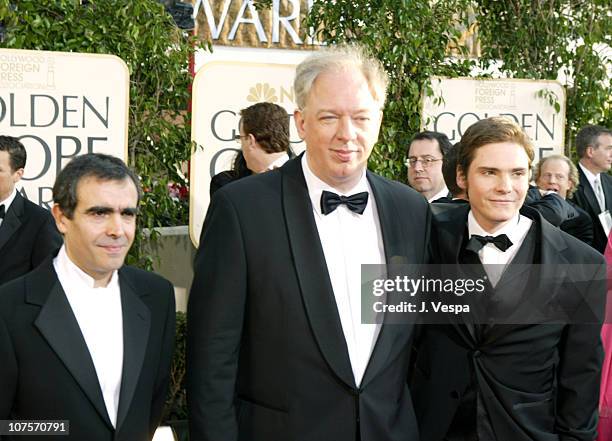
113, 249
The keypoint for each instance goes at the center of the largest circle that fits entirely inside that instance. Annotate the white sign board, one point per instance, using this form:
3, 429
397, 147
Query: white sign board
61, 105
457, 103
220, 90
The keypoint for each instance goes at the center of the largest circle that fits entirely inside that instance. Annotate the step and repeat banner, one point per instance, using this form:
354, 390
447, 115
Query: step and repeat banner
538, 106
226, 82
60, 105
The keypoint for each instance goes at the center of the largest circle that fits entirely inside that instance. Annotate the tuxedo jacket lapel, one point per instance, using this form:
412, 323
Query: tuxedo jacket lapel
58, 325
12, 220
588, 192
136, 324
312, 274
392, 337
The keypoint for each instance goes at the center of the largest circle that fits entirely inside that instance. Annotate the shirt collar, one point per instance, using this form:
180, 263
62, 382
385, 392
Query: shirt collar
8, 201
68, 269
589, 175
316, 186
515, 229
442, 193
278, 162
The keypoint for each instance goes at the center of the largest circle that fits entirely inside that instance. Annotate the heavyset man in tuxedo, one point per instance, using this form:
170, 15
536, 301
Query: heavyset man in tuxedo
594, 193
27, 231
276, 349
84, 338
521, 382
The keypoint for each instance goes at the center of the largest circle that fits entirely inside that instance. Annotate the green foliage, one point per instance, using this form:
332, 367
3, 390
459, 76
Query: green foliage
540, 39
411, 38
176, 403
157, 54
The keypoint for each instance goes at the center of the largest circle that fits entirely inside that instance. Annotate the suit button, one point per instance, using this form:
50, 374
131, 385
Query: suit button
454, 395
476, 354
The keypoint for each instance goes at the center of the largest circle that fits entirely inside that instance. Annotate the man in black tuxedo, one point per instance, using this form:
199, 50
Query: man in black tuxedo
27, 231
594, 193
276, 349
84, 338
513, 379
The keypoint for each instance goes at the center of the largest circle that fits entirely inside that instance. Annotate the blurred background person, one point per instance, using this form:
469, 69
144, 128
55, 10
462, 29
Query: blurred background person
556, 173
264, 142
27, 232
594, 193
424, 161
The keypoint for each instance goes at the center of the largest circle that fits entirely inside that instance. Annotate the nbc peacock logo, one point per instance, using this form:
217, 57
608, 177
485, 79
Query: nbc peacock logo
262, 92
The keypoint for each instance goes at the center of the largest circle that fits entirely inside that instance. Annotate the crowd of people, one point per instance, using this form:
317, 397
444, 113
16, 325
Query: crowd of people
277, 346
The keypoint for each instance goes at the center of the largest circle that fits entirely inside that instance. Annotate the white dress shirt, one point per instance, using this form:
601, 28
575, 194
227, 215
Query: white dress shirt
7, 202
99, 315
516, 230
349, 240
591, 177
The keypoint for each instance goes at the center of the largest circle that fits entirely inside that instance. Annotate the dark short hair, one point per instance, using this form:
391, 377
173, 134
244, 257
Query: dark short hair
269, 124
587, 136
443, 141
16, 151
490, 131
91, 165
449, 169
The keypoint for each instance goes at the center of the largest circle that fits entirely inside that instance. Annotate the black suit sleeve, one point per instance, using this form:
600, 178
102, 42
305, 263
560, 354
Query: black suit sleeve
214, 324
579, 371
553, 208
163, 370
48, 241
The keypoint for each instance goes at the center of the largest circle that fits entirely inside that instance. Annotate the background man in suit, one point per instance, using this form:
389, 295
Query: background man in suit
424, 161
27, 231
594, 193
276, 349
519, 381
558, 174
264, 141
84, 338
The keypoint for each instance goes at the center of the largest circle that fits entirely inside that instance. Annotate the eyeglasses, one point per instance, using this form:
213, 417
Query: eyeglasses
239, 137
426, 162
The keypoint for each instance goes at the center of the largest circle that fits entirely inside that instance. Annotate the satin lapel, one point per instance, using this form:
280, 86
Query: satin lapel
136, 324
392, 337
588, 193
311, 271
552, 252
12, 220
58, 325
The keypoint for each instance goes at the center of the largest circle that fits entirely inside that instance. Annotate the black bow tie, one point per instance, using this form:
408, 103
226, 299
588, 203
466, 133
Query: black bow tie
356, 203
476, 242
2, 211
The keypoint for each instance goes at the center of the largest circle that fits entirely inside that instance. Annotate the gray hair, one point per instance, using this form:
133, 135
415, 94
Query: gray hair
337, 58
573, 177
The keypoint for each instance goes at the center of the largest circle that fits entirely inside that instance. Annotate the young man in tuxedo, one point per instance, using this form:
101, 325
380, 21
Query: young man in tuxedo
515, 378
84, 338
594, 193
27, 231
276, 348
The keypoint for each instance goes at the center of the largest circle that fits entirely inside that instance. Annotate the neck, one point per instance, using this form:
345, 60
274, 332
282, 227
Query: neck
586, 163
491, 227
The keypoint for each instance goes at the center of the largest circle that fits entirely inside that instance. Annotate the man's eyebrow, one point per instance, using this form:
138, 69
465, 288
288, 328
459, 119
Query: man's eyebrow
101, 209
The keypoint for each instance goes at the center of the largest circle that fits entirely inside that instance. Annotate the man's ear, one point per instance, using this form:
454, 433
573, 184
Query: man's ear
17, 175
461, 179
60, 218
589, 151
251, 141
